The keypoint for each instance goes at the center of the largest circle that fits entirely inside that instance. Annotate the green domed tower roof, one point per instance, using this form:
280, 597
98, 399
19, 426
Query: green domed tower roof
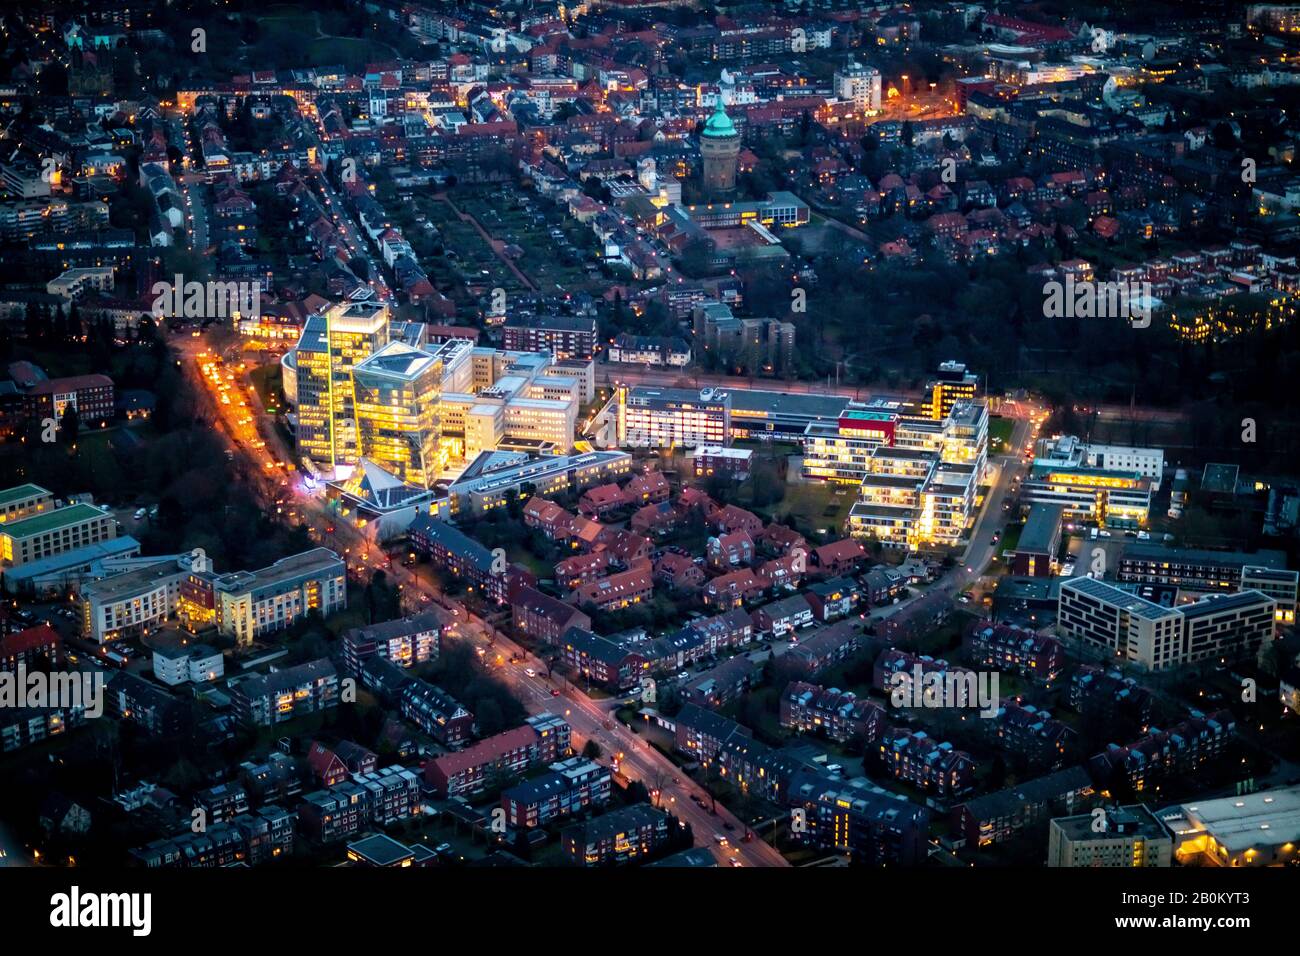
719, 124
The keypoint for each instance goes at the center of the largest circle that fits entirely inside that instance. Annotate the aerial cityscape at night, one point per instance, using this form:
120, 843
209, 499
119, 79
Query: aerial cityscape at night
611, 434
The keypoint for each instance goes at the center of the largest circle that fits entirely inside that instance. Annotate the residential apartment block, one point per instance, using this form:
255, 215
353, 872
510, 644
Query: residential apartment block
1015, 651
50, 532
270, 699
839, 715
564, 336
571, 786
875, 827
437, 713
620, 836
543, 740
1131, 837
1121, 624
251, 604
406, 642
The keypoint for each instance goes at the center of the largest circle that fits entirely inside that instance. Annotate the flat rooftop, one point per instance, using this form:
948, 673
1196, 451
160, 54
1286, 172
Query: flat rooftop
1101, 591
1154, 551
478, 480
51, 520
1267, 818
756, 403
380, 850
21, 493
66, 561
1218, 603
283, 570
398, 360
131, 582
1040, 529
1134, 820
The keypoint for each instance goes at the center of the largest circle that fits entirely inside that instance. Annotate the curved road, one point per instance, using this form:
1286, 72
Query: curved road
589, 720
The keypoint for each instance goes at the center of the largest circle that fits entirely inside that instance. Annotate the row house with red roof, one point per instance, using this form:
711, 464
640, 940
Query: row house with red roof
728, 551
544, 739
730, 518
34, 648
678, 572
542, 617
732, 590
618, 590
656, 520
842, 557
779, 539
332, 765
581, 569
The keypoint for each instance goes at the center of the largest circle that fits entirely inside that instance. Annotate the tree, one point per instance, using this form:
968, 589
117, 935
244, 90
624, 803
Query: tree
70, 426
697, 257
591, 750
1223, 137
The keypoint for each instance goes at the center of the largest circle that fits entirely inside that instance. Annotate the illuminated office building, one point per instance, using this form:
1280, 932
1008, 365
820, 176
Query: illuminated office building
1109, 498
953, 384
519, 400
1068, 450
841, 449
913, 499
332, 345
653, 417
368, 388
397, 394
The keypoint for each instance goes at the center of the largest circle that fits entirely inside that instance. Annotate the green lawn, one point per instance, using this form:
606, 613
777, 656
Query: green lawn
816, 505
349, 50
1010, 538
518, 554
1000, 432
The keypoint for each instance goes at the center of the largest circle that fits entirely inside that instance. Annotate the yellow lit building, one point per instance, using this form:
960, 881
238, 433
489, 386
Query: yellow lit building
396, 395
250, 604
1254, 829
952, 385
53, 531
1118, 837
912, 499
23, 501
1110, 498
332, 345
